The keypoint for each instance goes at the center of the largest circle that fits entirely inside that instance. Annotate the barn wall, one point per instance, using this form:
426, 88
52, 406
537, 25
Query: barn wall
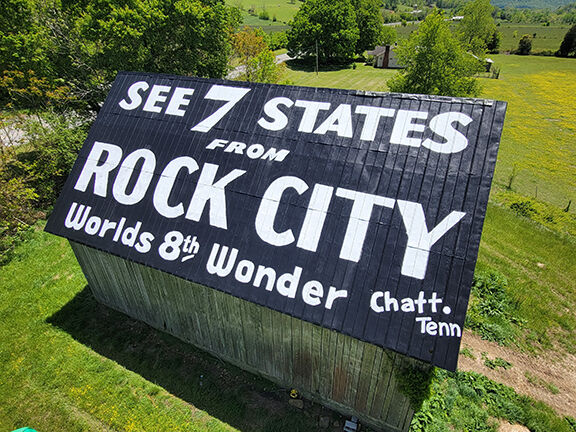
343, 373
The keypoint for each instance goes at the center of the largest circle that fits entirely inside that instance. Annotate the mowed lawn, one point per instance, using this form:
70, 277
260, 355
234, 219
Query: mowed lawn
363, 77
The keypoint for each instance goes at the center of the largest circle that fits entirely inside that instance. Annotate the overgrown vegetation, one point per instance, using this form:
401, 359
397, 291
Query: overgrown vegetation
254, 60
466, 401
539, 298
558, 219
497, 363
492, 311
414, 382
33, 169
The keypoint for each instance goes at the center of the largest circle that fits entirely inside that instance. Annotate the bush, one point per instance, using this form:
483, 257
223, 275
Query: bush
568, 45
277, 40
492, 312
17, 214
53, 145
524, 45
523, 208
544, 53
33, 172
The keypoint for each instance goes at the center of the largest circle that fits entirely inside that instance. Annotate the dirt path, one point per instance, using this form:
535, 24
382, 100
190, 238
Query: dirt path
538, 377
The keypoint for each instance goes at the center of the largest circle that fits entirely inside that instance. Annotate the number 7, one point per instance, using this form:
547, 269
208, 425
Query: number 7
222, 93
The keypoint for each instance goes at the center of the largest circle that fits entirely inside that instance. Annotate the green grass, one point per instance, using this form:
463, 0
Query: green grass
364, 77
68, 363
465, 401
539, 266
538, 138
547, 38
284, 10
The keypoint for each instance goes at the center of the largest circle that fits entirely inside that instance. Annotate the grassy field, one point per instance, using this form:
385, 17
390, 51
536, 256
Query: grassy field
538, 264
364, 77
547, 38
283, 10
70, 364
538, 147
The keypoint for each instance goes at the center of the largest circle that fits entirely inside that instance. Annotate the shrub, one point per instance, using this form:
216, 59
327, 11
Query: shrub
277, 40
32, 173
492, 312
17, 214
53, 145
524, 45
523, 208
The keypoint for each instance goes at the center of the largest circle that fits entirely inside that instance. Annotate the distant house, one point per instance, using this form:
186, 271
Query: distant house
458, 18
384, 57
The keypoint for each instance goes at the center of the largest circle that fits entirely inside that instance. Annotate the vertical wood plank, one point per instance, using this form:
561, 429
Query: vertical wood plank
325, 364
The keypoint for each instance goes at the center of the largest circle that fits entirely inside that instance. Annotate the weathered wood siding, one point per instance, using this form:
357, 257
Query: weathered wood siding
343, 373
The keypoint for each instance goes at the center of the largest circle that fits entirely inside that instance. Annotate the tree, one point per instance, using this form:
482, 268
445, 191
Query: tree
370, 24
186, 37
329, 25
435, 62
84, 44
390, 36
494, 42
477, 27
254, 58
524, 45
568, 45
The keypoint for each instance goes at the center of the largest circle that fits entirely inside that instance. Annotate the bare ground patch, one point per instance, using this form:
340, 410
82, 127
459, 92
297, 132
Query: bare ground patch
550, 367
507, 427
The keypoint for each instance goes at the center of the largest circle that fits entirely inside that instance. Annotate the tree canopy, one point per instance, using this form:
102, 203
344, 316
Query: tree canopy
341, 28
328, 24
84, 44
371, 31
435, 62
568, 45
255, 60
477, 28
524, 45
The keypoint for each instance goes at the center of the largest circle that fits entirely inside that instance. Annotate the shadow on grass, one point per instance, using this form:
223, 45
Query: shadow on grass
241, 399
310, 66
